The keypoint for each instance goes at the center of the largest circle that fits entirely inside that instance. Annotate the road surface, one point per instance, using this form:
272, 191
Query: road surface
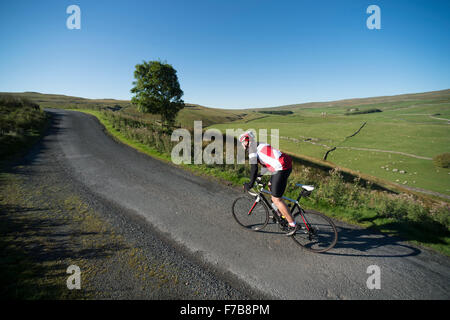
196, 213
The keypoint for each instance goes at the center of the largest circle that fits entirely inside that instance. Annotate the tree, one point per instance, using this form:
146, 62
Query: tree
157, 91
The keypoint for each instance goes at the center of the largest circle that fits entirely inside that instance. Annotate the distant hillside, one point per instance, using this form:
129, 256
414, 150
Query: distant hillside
62, 101
185, 118
432, 95
211, 116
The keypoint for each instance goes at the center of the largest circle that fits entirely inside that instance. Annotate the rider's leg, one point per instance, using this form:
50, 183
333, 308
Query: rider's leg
283, 209
278, 186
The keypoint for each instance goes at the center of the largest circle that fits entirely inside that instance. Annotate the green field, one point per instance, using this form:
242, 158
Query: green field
396, 144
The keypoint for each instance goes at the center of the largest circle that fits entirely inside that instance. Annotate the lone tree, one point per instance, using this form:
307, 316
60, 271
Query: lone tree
157, 91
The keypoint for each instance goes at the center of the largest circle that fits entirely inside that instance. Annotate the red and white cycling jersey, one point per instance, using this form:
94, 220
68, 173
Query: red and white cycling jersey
271, 158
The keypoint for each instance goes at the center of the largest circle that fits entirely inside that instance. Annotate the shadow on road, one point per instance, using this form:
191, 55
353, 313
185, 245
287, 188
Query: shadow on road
49, 136
362, 243
369, 243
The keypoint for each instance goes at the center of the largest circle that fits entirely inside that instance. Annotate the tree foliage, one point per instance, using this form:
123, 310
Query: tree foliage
157, 90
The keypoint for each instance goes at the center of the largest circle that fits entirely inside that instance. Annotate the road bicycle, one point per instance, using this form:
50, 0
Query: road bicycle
315, 232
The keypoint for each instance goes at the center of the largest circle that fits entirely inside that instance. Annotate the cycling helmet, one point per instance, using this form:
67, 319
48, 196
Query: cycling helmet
246, 136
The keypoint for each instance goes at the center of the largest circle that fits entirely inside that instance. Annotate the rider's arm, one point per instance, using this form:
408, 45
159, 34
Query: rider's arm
253, 160
253, 174
253, 171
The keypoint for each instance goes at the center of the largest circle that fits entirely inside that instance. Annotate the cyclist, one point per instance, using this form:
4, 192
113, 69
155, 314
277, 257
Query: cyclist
280, 166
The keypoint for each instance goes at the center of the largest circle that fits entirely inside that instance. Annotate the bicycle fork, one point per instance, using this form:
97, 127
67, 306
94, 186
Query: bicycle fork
258, 198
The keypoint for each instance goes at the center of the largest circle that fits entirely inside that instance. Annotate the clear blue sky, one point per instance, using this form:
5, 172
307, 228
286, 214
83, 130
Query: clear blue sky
246, 53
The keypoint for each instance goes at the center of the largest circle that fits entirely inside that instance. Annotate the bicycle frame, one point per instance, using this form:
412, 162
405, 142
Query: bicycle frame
291, 207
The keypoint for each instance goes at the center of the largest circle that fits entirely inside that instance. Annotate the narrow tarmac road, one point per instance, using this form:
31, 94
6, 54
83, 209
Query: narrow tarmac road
196, 214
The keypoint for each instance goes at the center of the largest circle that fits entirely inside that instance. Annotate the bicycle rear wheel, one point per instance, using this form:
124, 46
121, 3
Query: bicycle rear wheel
316, 233
250, 214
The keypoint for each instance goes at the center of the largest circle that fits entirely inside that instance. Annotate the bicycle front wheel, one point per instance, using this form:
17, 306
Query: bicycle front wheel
249, 213
316, 233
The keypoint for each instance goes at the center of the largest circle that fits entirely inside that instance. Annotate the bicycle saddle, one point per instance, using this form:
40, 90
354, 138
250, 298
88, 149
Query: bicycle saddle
307, 188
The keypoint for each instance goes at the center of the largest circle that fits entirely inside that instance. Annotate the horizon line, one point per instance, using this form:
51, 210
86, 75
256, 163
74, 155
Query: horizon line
244, 108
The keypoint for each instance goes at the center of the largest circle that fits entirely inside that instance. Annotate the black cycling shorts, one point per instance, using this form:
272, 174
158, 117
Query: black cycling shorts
278, 182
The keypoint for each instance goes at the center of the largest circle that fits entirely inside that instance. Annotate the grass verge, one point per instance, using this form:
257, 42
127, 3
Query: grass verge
22, 123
